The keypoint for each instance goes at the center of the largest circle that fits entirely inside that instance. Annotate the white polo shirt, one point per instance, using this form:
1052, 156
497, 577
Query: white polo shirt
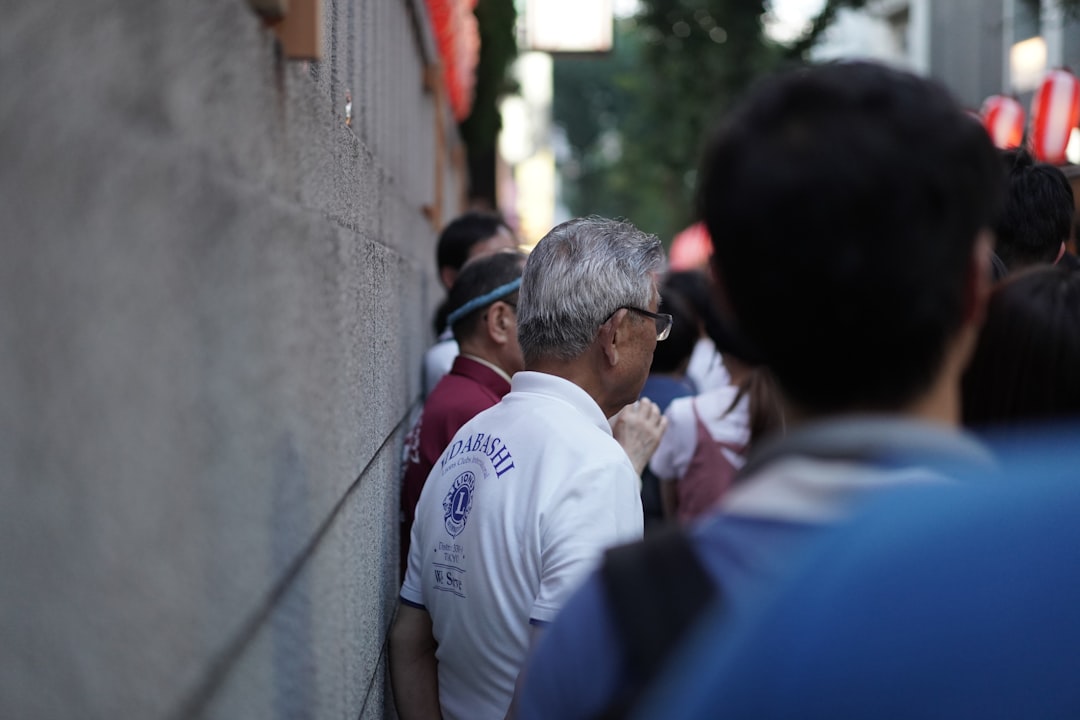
516, 512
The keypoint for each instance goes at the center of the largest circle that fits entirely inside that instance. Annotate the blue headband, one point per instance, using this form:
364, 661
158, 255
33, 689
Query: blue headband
479, 302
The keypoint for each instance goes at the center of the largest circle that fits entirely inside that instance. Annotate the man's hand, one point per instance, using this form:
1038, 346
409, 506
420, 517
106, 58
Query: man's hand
638, 427
413, 667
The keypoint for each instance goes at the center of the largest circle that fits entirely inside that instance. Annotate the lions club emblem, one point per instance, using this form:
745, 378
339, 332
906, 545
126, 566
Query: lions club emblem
458, 503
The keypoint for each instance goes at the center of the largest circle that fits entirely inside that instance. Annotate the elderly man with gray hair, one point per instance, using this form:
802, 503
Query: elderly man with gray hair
529, 493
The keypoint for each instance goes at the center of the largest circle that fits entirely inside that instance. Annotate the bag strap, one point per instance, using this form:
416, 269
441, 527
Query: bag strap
655, 589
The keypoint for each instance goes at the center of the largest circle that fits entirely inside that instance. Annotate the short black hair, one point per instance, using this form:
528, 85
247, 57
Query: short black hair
458, 238
698, 288
670, 355
1037, 214
478, 278
844, 202
1025, 364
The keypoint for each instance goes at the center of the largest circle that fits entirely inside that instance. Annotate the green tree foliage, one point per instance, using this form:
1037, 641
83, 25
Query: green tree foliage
636, 119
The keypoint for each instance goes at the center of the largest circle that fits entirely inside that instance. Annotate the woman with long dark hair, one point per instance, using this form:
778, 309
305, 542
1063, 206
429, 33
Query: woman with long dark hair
1026, 366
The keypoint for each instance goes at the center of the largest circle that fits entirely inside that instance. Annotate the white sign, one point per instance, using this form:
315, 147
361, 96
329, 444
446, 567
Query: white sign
570, 26
1027, 64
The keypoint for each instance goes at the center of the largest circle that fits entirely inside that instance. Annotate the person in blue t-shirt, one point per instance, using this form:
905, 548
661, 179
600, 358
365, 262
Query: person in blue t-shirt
951, 601
850, 208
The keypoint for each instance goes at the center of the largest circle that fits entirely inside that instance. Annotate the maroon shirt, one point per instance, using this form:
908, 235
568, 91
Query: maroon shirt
467, 390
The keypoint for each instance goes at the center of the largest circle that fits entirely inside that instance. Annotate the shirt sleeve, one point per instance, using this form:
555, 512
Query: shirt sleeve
576, 667
676, 447
412, 588
592, 510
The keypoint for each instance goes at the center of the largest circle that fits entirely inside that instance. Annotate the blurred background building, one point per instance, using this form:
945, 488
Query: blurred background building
977, 48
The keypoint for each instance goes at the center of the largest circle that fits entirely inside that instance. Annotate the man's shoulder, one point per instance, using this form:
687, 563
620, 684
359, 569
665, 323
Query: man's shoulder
736, 548
817, 473
574, 670
582, 665
460, 394
560, 430
437, 361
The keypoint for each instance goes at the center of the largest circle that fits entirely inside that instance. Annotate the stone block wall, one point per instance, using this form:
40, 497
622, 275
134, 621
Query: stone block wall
213, 300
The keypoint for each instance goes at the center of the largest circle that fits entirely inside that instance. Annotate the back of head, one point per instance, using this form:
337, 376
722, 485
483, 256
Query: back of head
1038, 212
673, 354
576, 277
459, 237
482, 281
698, 288
1026, 363
844, 202
694, 287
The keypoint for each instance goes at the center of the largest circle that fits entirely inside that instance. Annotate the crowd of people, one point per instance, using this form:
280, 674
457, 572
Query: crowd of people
760, 488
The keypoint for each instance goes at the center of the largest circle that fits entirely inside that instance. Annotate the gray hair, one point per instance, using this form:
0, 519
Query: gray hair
576, 277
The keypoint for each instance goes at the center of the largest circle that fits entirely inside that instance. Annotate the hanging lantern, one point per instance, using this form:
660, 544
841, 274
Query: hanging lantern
1003, 118
690, 249
1054, 113
457, 36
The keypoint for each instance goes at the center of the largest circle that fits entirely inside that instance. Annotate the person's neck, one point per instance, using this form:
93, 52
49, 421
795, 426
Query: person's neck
939, 405
580, 372
941, 402
486, 356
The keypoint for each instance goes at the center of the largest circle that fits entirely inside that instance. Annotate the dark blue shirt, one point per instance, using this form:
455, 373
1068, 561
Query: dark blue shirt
662, 389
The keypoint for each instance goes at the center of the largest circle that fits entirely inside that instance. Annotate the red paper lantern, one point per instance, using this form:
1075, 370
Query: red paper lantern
1003, 118
458, 39
1054, 113
690, 249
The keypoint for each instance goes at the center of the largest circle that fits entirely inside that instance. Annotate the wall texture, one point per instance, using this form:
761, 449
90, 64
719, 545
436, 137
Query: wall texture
213, 299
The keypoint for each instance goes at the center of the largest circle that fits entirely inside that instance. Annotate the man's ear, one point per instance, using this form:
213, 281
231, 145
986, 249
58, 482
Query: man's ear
980, 280
612, 333
500, 320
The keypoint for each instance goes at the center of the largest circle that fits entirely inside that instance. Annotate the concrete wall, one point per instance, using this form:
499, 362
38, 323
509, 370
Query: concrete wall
213, 299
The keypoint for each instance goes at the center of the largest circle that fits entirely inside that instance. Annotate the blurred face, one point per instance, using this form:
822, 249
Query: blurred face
640, 346
503, 239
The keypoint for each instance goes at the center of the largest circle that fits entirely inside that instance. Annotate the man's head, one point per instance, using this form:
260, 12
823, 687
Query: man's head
482, 309
848, 206
1024, 367
585, 293
1037, 217
470, 236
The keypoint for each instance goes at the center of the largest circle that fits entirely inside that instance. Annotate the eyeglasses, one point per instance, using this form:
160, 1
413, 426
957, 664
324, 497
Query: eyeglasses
662, 320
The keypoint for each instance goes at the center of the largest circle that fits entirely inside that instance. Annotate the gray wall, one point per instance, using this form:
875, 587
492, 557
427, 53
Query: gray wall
1070, 50
966, 48
213, 299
